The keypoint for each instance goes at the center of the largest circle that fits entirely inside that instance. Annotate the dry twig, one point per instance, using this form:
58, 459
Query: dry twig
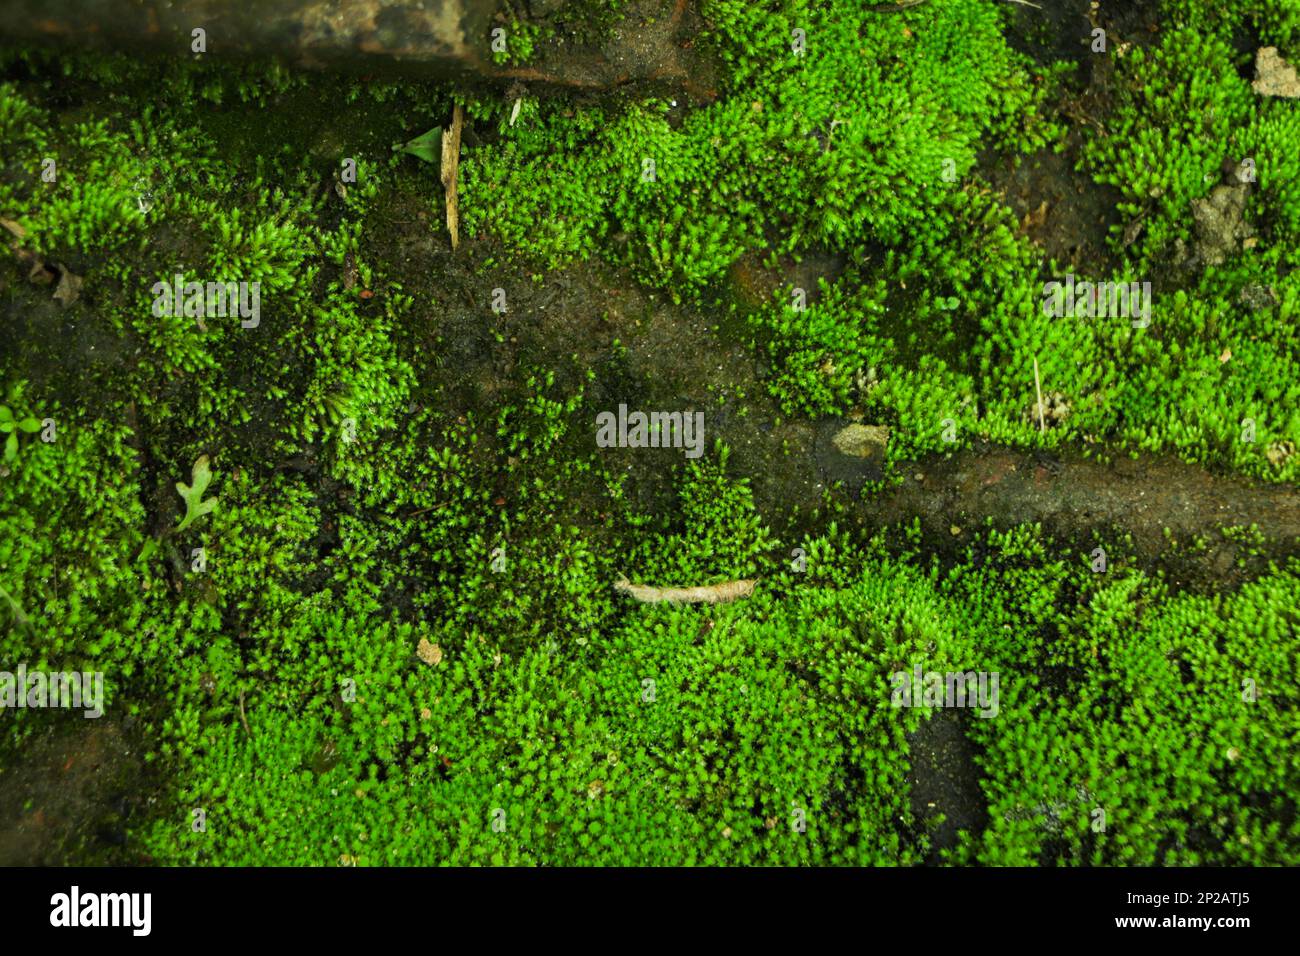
450, 169
243, 717
1038, 387
723, 593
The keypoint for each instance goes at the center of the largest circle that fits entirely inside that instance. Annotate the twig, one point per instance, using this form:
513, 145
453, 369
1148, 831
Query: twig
243, 718
904, 4
1038, 387
723, 593
894, 7
450, 169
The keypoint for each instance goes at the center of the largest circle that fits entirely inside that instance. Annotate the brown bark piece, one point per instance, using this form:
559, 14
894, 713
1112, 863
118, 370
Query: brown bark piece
450, 171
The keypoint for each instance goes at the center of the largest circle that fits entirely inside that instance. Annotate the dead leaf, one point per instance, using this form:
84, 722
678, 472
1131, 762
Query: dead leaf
429, 652
1227, 354
1134, 229
69, 288
1035, 218
40, 274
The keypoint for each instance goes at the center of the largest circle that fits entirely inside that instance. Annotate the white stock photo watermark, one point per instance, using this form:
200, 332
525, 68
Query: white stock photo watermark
132, 910
39, 689
919, 688
199, 300
1098, 300
652, 430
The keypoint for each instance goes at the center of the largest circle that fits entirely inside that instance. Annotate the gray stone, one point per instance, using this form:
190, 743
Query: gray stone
1274, 76
862, 441
1220, 223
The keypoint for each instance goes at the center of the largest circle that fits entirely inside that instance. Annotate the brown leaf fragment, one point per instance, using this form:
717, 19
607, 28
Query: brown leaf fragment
1134, 229
429, 652
1034, 218
69, 288
40, 273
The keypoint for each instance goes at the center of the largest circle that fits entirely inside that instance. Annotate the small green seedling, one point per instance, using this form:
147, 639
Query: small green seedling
12, 424
195, 506
427, 146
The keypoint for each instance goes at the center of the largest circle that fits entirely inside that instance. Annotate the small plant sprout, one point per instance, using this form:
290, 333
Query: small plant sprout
12, 421
426, 146
13, 425
195, 505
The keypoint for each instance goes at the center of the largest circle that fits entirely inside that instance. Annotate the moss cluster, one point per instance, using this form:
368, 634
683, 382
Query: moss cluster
394, 638
865, 145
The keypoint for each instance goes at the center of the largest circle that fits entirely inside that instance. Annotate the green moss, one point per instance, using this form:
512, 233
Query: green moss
399, 642
829, 147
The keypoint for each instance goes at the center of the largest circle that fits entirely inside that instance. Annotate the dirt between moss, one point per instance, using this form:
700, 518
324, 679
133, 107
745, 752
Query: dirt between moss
1075, 497
654, 355
71, 794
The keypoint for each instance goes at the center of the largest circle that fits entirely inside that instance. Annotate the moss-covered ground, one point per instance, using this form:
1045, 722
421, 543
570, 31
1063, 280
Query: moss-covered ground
396, 639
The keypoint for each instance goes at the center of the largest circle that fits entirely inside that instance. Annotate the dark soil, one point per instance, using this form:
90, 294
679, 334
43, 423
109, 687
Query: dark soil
71, 793
944, 781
